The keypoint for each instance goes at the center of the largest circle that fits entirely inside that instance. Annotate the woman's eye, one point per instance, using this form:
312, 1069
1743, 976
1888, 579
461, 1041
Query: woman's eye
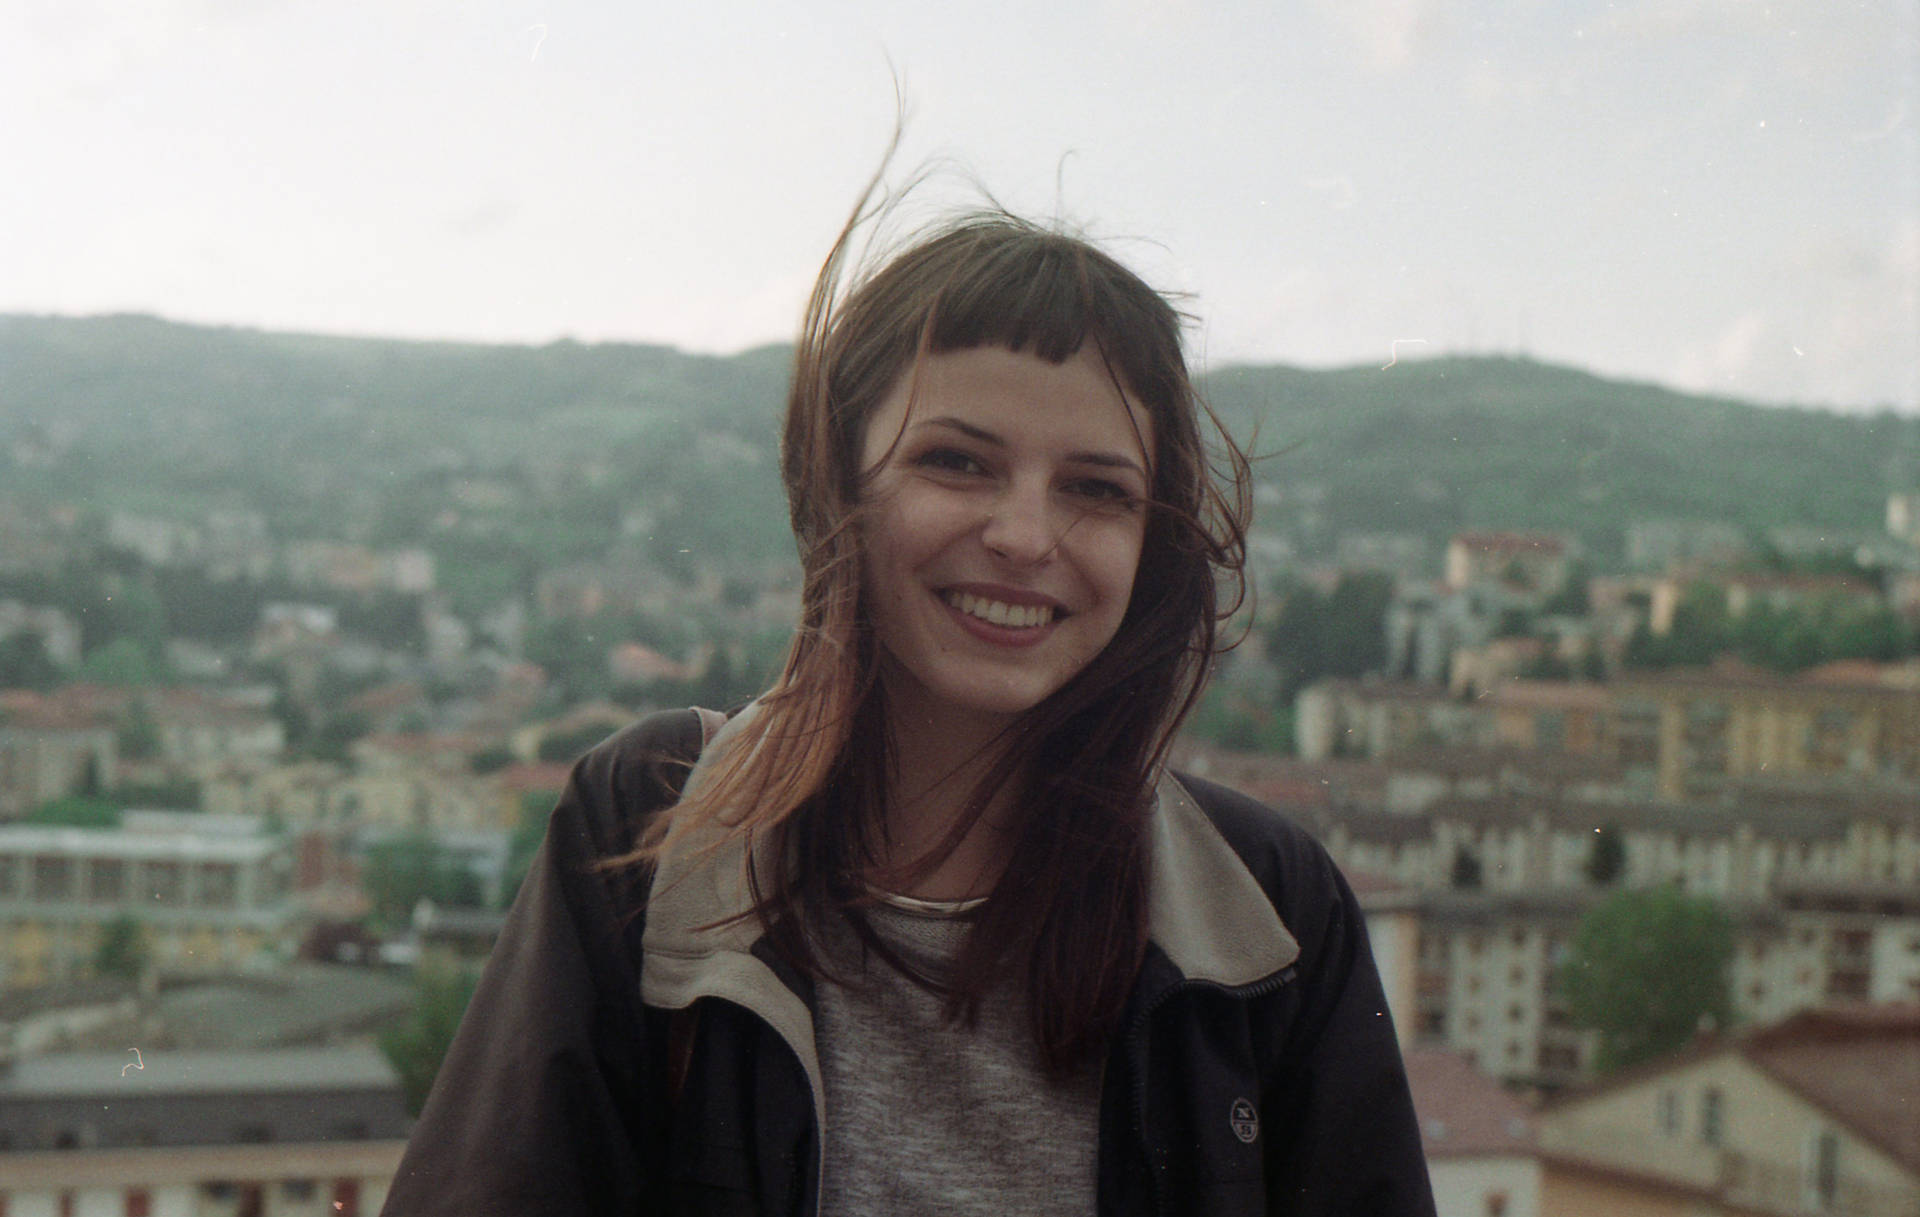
1104, 491
950, 460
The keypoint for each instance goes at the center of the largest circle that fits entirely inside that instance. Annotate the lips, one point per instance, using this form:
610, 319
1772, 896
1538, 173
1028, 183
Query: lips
1002, 613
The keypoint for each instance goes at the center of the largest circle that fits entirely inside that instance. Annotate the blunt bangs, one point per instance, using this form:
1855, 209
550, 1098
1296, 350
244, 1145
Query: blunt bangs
1026, 289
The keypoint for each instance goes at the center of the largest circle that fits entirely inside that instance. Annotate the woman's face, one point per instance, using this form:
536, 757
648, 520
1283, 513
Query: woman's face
1005, 515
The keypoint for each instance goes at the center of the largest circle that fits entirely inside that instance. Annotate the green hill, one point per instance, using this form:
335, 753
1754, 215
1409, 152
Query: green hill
376, 438
1439, 445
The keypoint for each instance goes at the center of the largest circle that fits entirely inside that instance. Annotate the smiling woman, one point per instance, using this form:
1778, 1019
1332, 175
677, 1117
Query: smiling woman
1005, 512
929, 928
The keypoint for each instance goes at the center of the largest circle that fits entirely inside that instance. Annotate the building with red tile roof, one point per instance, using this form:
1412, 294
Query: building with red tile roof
1819, 1113
1479, 1138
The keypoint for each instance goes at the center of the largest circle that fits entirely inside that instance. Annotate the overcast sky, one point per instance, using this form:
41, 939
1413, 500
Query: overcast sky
1719, 195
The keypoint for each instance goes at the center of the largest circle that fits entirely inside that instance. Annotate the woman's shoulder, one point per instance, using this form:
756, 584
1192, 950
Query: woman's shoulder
1286, 859
635, 771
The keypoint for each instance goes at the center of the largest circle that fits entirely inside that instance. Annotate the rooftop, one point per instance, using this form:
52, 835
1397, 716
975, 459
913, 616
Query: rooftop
1859, 1065
133, 1073
1463, 1112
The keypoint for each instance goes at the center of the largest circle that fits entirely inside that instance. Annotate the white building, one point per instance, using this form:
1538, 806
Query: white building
1478, 1137
292, 1132
210, 893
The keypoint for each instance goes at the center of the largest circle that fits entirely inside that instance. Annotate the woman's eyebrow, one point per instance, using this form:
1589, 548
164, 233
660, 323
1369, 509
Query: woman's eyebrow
1104, 460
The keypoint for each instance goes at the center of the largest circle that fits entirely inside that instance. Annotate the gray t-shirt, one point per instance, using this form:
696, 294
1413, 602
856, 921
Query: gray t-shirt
924, 1116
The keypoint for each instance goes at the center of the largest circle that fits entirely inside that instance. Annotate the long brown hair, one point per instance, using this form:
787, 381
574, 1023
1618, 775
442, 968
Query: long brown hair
804, 783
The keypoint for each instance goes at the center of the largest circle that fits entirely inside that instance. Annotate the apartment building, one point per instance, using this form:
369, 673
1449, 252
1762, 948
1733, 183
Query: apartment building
1484, 983
1539, 562
1483, 978
1740, 847
1479, 1139
1811, 1115
1376, 719
1854, 721
291, 1132
209, 892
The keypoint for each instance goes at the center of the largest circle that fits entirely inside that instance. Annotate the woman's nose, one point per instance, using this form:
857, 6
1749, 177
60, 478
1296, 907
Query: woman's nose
1022, 526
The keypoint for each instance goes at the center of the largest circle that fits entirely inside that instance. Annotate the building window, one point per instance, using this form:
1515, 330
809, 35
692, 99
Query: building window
217, 885
10, 887
107, 880
163, 882
52, 878
1559, 1058
1823, 1181
1668, 1112
346, 1197
1712, 1116
298, 1191
1496, 1204
139, 1202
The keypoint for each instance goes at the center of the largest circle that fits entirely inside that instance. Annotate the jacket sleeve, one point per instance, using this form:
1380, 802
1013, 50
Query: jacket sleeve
1345, 1142
1356, 1149
541, 1104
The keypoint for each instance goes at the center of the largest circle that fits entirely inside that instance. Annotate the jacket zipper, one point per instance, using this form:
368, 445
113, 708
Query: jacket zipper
1137, 1041
796, 1201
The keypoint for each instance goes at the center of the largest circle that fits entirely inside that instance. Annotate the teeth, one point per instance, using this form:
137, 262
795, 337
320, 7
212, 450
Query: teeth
997, 612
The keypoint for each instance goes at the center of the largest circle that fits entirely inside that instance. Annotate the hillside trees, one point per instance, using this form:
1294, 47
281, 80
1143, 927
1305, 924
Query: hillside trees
1780, 638
405, 870
418, 1043
1341, 633
25, 664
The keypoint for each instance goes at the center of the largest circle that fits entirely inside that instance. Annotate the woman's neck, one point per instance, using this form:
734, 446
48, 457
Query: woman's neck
939, 761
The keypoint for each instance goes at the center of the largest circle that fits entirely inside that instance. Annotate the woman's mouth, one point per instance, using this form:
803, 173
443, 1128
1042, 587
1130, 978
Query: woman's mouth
999, 612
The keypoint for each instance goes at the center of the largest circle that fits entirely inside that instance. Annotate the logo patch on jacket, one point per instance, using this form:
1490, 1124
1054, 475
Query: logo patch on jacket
1245, 1120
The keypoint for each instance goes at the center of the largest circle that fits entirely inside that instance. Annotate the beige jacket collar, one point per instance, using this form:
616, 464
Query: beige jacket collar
1205, 910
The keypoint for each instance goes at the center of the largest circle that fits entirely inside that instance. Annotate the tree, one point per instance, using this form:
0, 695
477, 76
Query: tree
1466, 872
122, 950
1297, 640
333, 739
1607, 857
25, 664
1647, 969
122, 662
138, 732
1572, 600
77, 811
401, 872
416, 1045
1356, 623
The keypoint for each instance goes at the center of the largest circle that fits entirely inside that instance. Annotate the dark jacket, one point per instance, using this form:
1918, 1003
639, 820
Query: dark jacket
1257, 1071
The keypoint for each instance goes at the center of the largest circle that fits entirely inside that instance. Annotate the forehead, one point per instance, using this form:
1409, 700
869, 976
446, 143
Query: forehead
1076, 404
